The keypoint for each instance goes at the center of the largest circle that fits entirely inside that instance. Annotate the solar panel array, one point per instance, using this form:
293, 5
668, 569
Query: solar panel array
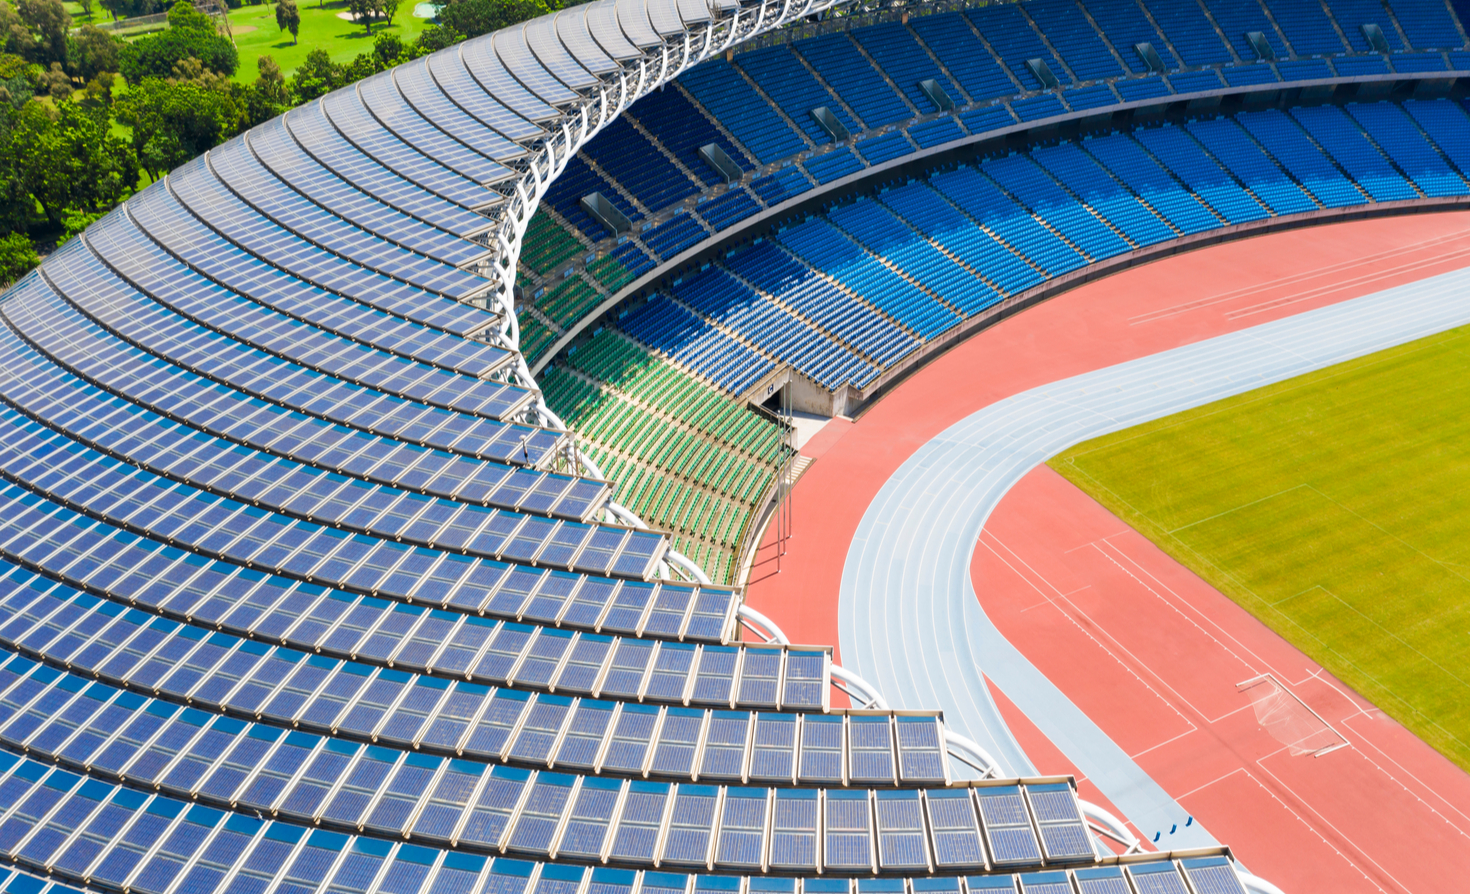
304, 588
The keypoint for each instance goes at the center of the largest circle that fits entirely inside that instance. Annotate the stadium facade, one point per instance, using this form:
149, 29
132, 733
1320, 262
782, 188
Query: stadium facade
306, 586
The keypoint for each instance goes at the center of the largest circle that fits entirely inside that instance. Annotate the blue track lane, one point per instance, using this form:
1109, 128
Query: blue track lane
908, 617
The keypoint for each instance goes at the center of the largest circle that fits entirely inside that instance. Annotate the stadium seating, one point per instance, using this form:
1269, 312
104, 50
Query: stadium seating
757, 105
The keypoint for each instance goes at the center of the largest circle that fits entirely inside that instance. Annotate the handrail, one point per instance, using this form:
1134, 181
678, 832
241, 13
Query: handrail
1110, 826
970, 752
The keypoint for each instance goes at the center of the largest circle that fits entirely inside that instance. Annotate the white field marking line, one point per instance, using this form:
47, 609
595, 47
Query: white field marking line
1188, 732
1233, 509
1188, 620
1193, 727
1353, 703
1308, 294
1295, 278
1346, 858
1389, 759
1347, 839
1205, 618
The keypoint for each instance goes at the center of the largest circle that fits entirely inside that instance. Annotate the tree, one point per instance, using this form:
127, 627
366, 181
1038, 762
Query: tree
437, 37
174, 121
93, 51
56, 82
269, 96
386, 10
288, 18
156, 54
49, 24
15, 35
362, 11
68, 158
87, 7
17, 257
184, 16
317, 76
475, 17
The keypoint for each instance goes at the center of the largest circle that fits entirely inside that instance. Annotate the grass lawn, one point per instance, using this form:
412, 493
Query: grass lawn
1334, 507
256, 34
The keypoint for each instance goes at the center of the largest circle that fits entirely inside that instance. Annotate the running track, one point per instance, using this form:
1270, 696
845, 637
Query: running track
906, 591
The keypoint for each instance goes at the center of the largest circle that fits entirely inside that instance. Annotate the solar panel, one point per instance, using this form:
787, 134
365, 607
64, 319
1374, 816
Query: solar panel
398, 801
671, 672
773, 752
794, 820
589, 818
637, 834
492, 731
624, 677
870, 743
1064, 836
821, 749
493, 807
1007, 825
920, 750
317, 779
678, 741
542, 813
631, 736
1101, 880
715, 681
760, 677
446, 805
1157, 878
691, 826
900, 819
625, 615
539, 732
583, 739
725, 745
742, 829
1045, 883
956, 832
848, 837
806, 680
666, 617
1212, 875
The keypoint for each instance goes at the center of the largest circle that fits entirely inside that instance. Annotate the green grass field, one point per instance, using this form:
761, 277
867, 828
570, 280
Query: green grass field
256, 34
1334, 507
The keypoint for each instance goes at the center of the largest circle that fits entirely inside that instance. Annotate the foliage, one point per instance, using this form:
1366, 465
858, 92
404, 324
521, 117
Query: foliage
190, 35
17, 257
175, 120
128, 8
472, 18
288, 18
269, 96
1330, 506
370, 11
68, 158
315, 77
35, 30
93, 51
75, 220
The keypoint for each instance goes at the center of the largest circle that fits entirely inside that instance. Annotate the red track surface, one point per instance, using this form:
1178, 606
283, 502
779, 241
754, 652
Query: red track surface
1363, 817
1153, 655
